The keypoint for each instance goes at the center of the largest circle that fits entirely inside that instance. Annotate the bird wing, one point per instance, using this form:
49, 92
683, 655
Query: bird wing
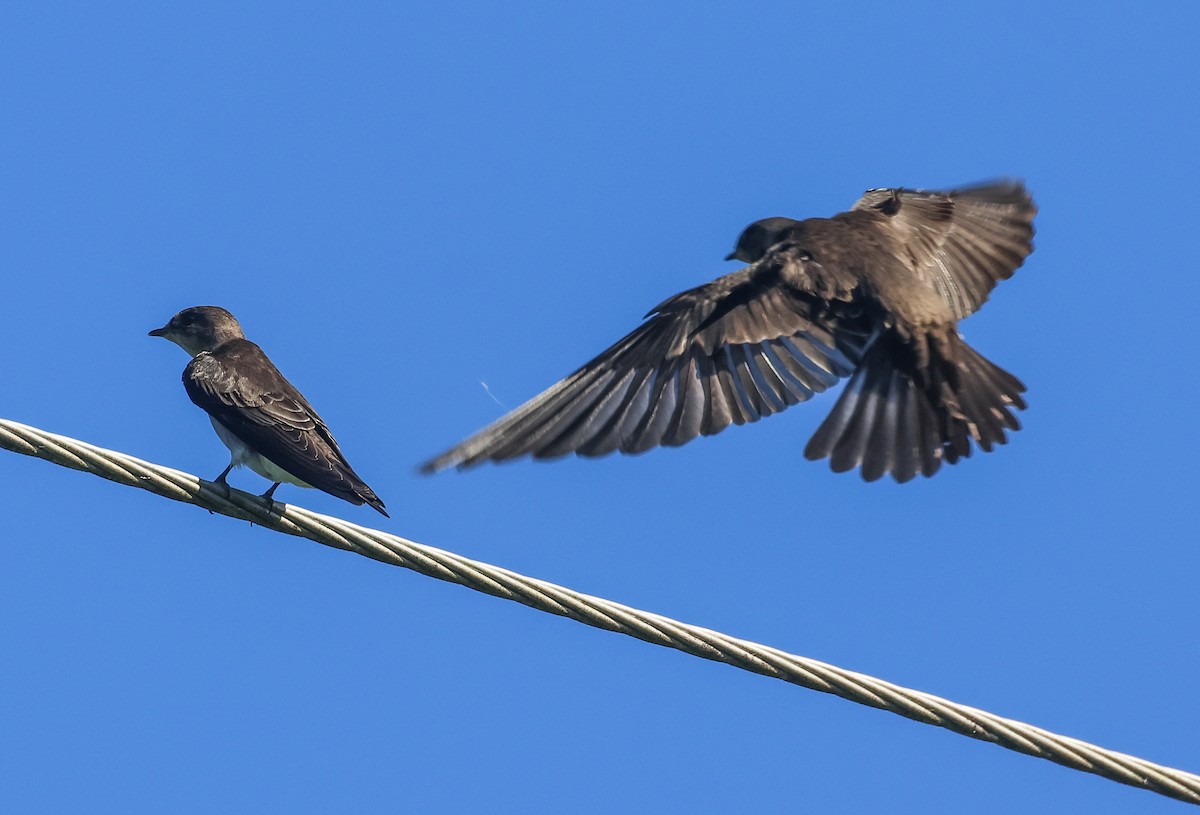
732, 351
240, 387
963, 241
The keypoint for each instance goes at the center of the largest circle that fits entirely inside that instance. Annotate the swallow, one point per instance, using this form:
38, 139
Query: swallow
874, 294
265, 422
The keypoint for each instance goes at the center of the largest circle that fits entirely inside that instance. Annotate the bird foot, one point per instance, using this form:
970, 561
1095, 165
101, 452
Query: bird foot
219, 481
267, 497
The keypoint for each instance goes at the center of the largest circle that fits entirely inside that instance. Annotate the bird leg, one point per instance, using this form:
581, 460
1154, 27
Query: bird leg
268, 494
221, 480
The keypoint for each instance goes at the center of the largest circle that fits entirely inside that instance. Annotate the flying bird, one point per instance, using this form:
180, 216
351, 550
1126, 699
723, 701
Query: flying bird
874, 294
265, 422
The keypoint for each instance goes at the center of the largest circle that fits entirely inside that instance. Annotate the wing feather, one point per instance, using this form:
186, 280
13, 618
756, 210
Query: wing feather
742, 347
239, 386
962, 241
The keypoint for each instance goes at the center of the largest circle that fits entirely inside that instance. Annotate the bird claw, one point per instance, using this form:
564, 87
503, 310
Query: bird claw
223, 488
220, 481
267, 496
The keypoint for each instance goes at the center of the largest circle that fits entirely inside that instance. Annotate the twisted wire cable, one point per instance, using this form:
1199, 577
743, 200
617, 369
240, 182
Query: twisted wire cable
601, 613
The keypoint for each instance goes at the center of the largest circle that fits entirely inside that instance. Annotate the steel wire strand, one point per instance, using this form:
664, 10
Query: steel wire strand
601, 613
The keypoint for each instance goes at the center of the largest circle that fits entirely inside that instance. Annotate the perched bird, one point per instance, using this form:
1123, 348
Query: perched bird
874, 293
265, 422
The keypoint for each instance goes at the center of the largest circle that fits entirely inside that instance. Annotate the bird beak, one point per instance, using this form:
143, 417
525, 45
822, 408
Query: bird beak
732, 255
158, 332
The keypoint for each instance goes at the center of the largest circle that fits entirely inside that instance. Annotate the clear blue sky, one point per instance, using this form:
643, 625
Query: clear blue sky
404, 202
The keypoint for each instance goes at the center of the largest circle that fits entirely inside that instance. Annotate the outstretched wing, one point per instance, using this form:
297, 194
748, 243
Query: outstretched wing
735, 350
243, 390
962, 241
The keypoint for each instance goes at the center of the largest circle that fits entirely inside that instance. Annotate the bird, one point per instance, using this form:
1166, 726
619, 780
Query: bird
874, 294
265, 422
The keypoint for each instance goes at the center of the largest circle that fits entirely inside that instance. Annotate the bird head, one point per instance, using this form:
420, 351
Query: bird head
200, 328
758, 238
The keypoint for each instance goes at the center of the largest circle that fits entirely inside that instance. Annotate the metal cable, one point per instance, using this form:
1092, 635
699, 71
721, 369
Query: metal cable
601, 613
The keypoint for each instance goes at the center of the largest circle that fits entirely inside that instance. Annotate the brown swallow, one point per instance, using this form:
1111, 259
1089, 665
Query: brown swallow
874, 293
265, 422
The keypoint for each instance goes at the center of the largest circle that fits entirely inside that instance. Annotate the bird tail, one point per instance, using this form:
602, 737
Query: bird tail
353, 489
369, 497
911, 405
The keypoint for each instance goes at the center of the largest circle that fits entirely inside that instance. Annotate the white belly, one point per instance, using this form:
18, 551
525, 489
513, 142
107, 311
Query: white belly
241, 454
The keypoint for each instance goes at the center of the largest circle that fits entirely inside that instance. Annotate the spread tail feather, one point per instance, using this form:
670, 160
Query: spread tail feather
912, 405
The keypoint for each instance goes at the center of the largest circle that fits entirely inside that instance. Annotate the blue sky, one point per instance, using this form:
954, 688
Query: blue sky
421, 211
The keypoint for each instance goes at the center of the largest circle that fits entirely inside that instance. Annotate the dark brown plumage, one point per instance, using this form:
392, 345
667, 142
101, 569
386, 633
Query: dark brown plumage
265, 422
874, 293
